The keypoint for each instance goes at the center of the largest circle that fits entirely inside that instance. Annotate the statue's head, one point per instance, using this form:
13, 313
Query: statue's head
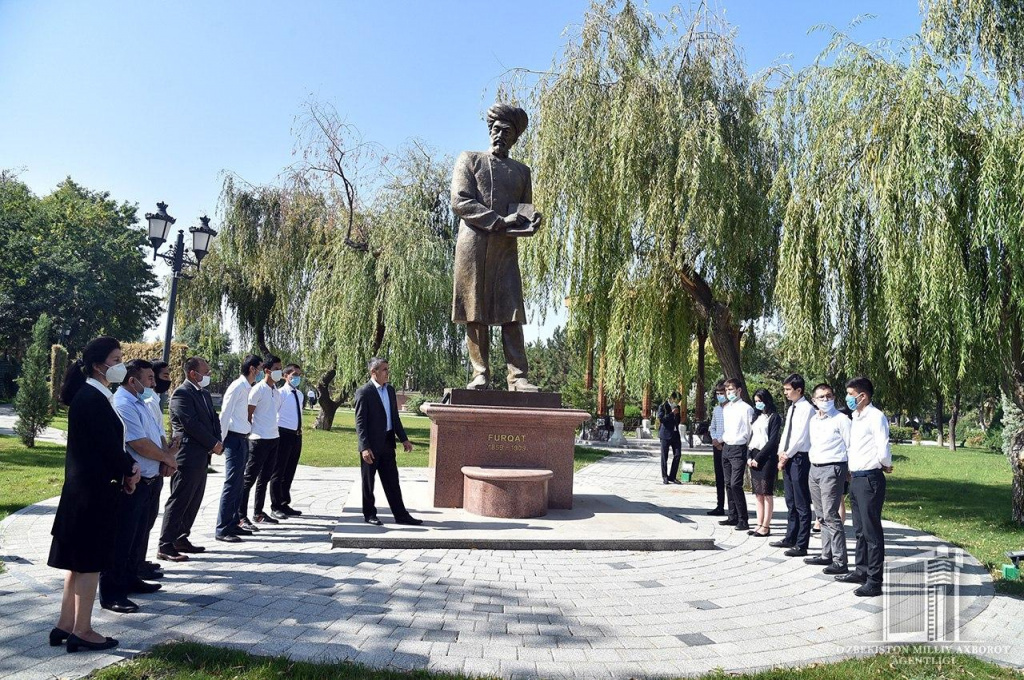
505, 124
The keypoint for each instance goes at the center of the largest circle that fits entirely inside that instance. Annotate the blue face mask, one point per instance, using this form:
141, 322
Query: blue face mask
733, 396
721, 398
759, 405
851, 402
295, 380
147, 393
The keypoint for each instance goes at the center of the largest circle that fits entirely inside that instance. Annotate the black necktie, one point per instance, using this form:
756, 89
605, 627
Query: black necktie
298, 408
789, 427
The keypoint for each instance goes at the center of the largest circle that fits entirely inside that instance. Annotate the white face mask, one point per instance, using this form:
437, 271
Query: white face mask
826, 405
116, 373
276, 375
204, 381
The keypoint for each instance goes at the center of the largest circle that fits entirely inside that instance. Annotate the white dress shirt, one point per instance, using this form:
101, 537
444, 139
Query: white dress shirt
234, 410
830, 437
385, 399
798, 419
104, 390
869, 440
154, 407
289, 413
759, 432
737, 417
717, 423
267, 401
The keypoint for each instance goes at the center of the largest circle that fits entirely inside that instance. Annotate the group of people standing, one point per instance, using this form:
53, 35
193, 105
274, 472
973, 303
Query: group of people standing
118, 455
824, 454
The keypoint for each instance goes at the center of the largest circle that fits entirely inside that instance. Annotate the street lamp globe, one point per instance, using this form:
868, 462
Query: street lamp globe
201, 236
159, 224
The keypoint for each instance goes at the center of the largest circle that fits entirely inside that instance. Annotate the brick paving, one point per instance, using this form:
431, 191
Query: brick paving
514, 614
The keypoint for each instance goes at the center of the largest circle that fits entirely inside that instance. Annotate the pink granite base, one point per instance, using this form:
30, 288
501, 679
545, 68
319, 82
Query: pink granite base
493, 436
508, 493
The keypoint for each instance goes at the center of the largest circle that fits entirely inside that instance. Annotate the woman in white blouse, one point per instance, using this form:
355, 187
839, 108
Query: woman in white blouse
763, 459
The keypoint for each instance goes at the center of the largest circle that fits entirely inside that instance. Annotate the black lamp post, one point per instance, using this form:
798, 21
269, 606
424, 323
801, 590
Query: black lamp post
159, 224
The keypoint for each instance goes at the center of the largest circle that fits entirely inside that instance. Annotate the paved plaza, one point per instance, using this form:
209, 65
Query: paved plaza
524, 613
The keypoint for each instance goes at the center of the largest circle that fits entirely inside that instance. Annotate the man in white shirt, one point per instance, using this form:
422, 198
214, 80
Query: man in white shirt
149, 571
737, 416
289, 425
793, 460
234, 430
870, 457
264, 403
830, 439
717, 425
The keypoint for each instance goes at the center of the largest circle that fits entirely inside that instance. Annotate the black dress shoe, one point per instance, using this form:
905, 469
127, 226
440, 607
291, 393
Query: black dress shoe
717, 512
289, 510
673, 480
227, 538
183, 545
868, 590
853, 577
151, 565
244, 523
279, 514
169, 554
742, 526
140, 587
818, 561
264, 518
121, 606
374, 521
781, 544
239, 531
795, 552
58, 637
835, 570
757, 534
664, 481
147, 575
410, 520
76, 643
729, 522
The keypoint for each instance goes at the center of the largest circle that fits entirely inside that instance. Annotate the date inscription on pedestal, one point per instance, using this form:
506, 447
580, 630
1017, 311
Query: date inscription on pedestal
506, 442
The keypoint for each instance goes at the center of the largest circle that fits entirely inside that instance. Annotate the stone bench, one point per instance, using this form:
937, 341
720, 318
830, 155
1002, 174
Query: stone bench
510, 493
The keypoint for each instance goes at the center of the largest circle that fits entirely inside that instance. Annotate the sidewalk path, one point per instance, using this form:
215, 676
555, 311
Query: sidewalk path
8, 418
513, 614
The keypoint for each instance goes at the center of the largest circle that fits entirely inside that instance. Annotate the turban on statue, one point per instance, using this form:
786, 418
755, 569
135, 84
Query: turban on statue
513, 115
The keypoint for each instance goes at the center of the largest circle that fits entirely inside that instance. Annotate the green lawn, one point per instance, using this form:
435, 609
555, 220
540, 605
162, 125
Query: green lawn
192, 661
28, 475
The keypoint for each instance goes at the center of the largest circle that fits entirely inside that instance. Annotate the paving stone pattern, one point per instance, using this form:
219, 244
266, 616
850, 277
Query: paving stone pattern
514, 614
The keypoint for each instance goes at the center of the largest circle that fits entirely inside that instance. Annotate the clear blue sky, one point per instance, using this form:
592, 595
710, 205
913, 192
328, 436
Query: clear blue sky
152, 101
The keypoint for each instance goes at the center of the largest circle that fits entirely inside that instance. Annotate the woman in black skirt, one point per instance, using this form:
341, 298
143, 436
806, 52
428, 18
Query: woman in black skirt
763, 459
97, 470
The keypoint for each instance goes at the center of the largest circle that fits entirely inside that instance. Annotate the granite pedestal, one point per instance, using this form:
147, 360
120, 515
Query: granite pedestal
509, 431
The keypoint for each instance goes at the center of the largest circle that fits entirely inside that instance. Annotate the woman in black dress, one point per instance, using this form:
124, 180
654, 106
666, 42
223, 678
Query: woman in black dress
763, 459
97, 470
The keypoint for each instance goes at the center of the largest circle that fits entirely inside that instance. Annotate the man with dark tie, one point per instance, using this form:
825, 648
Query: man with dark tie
289, 426
378, 428
794, 462
668, 433
194, 420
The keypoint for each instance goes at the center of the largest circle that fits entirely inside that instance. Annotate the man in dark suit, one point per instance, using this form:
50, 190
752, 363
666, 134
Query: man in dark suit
668, 433
378, 427
194, 420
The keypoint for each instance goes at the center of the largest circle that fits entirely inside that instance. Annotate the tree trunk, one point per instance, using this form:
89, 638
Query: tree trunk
620, 406
261, 340
954, 418
328, 406
938, 418
725, 334
1016, 457
602, 394
701, 409
645, 405
588, 378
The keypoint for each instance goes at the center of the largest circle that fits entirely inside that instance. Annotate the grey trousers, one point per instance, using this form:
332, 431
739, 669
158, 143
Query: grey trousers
513, 342
826, 484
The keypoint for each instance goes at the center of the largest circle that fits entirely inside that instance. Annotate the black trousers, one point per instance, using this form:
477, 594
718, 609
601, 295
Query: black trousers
152, 511
288, 452
798, 500
719, 478
131, 518
187, 487
676, 445
867, 495
734, 465
258, 468
384, 464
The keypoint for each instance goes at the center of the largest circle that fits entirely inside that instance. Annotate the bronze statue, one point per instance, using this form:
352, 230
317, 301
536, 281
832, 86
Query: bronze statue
492, 194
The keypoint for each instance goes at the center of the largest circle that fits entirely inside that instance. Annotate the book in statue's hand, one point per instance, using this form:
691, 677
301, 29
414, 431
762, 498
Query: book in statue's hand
528, 225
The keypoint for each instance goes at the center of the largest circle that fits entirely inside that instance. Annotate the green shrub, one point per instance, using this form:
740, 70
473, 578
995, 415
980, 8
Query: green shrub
414, 404
32, 403
631, 417
900, 434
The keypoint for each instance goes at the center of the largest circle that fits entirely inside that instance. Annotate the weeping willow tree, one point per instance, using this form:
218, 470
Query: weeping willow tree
992, 30
903, 217
654, 176
310, 269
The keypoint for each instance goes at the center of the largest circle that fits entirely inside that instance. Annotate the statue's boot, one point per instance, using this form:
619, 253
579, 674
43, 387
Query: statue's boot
478, 342
522, 385
478, 382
